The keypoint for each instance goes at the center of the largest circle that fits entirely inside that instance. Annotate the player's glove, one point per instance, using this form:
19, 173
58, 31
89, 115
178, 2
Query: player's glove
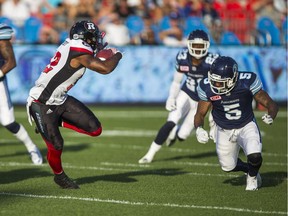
202, 135
267, 119
171, 104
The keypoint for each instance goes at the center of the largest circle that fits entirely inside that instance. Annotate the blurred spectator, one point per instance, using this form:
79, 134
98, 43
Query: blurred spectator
147, 36
106, 12
48, 35
61, 22
123, 9
117, 33
193, 8
174, 35
38, 7
16, 10
212, 19
84, 10
274, 9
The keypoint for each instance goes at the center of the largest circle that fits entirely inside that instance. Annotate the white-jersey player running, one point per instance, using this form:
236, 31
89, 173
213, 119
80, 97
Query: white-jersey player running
49, 104
192, 64
231, 92
7, 118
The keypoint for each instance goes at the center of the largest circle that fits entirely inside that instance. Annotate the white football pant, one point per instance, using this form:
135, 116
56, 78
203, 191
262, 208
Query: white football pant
186, 109
229, 142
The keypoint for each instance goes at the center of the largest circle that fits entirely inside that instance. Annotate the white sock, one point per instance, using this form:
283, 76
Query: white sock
23, 136
154, 148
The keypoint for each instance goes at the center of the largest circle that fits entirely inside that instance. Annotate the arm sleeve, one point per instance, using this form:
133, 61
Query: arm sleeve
176, 84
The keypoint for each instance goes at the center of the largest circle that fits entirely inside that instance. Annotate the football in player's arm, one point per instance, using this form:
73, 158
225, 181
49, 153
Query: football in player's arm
231, 92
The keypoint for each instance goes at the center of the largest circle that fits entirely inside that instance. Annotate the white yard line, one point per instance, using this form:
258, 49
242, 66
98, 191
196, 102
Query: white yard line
142, 114
137, 203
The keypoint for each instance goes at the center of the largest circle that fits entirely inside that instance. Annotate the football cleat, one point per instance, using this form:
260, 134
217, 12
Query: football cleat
65, 182
253, 182
36, 156
145, 160
172, 137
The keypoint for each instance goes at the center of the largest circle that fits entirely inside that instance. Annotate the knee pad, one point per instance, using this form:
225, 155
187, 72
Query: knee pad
255, 159
13, 127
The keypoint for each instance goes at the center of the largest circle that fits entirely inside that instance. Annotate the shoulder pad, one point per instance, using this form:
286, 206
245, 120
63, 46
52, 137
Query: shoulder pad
81, 46
5, 32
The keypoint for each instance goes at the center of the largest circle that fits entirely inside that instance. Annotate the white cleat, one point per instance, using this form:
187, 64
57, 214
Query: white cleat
145, 160
36, 156
253, 183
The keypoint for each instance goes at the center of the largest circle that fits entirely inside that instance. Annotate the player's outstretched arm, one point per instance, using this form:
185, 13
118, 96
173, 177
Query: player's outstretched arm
95, 64
202, 109
263, 98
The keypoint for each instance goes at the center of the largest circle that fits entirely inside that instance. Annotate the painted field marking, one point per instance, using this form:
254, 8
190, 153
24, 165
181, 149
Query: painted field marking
135, 203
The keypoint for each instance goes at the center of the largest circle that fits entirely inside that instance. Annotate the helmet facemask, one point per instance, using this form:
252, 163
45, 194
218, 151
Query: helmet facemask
198, 47
221, 85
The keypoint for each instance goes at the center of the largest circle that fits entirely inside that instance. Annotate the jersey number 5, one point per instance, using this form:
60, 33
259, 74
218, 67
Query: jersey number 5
232, 111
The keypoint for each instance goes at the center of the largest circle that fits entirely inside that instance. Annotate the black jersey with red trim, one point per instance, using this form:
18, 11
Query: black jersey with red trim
194, 73
59, 77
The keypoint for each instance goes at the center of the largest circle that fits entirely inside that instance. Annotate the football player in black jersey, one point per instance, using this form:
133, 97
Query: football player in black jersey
49, 104
192, 64
231, 92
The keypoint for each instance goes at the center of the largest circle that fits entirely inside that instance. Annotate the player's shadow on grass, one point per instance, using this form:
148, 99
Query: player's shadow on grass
71, 148
12, 176
196, 156
128, 176
269, 179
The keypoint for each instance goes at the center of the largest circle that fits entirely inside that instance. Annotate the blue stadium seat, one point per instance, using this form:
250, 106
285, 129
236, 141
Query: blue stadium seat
32, 27
229, 38
192, 23
164, 23
266, 24
135, 24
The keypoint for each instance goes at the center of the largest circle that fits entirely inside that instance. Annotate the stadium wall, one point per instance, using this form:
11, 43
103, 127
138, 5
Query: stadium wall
145, 73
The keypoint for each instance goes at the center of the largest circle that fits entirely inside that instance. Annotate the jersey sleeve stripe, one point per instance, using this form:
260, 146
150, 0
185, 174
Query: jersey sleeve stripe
201, 94
81, 50
5, 32
256, 86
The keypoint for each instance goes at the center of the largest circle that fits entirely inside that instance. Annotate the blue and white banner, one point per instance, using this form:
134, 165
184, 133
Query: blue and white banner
145, 73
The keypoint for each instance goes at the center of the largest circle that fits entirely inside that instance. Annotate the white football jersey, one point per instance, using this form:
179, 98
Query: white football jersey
59, 77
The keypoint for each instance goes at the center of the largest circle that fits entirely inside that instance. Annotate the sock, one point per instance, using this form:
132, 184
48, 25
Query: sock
54, 158
154, 148
23, 136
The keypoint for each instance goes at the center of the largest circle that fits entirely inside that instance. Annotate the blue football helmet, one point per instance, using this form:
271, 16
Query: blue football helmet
223, 75
89, 32
198, 43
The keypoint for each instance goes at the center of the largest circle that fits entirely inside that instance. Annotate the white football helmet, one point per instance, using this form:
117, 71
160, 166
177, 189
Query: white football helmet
198, 43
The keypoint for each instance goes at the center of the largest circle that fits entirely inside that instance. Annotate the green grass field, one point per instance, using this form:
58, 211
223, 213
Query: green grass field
184, 179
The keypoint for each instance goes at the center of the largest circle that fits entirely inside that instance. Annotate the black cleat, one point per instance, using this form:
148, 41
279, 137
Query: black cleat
65, 182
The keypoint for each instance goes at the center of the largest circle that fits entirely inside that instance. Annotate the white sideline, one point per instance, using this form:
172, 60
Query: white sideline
133, 203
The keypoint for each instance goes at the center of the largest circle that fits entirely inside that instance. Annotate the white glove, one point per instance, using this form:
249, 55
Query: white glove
267, 119
202, 135
171, 104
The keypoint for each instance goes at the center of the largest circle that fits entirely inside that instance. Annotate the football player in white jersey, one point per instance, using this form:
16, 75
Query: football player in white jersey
51, 107
7, 118
231, 92
192, 64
